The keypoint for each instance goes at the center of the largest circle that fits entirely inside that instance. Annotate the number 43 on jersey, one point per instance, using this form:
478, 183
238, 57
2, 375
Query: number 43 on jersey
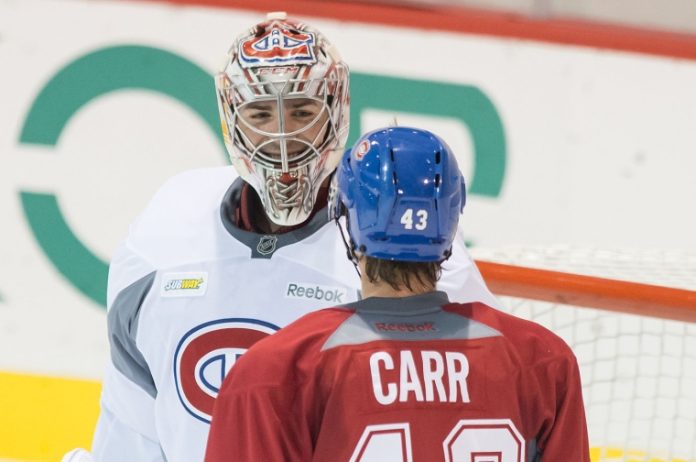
470, 440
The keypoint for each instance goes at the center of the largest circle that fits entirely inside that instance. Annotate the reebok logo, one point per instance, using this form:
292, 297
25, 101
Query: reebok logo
406, 327
315, 292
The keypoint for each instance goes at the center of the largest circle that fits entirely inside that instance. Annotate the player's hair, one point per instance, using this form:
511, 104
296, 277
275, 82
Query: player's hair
403, 274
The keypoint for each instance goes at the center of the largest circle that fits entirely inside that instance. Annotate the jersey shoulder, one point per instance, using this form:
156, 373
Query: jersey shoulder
294, 350
182, 220
531, 340
183, 198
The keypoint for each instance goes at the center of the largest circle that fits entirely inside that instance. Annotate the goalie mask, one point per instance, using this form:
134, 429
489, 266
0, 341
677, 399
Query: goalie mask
284, 104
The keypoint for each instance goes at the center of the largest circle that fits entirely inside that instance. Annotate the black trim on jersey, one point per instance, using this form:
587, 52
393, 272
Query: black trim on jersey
264, 245
533, 453
122, 321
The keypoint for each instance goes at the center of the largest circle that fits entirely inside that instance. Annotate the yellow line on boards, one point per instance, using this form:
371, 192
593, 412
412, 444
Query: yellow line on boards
42, 417
611, 454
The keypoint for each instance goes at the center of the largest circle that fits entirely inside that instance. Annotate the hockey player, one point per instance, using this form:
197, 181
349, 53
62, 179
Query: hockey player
222, 257
403, 374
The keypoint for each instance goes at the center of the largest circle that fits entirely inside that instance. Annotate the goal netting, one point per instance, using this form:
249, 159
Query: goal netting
637, 354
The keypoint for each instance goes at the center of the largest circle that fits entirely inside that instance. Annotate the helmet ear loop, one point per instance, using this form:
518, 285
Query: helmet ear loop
347, 242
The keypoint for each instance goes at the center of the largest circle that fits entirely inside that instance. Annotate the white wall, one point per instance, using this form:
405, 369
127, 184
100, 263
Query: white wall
673, 15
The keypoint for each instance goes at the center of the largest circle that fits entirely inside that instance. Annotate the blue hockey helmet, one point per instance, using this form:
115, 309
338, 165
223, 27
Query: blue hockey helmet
402, 193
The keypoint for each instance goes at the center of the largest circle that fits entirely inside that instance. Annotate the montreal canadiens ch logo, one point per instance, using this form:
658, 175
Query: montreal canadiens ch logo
279, 45
205, 355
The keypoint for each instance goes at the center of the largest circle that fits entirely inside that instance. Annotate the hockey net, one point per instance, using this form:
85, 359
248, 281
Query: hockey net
630, 318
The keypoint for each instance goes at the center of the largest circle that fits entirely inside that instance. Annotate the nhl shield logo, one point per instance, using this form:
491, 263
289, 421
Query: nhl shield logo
267, 245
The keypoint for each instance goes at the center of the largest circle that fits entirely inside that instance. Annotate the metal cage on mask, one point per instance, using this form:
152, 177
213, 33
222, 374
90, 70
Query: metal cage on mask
286, 162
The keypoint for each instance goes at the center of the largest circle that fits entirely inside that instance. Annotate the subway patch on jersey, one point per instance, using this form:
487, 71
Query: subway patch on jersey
204, 356
188, 284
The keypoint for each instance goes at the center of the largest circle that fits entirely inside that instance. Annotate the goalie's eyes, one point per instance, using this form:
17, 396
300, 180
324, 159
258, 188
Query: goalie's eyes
260, 116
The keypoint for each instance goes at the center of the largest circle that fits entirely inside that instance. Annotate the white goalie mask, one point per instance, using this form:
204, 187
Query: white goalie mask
284, 104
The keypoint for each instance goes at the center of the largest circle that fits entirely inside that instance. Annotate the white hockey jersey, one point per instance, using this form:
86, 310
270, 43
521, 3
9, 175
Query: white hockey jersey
189, 292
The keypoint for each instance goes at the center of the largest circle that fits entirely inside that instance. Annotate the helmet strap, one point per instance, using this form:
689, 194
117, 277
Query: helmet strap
348, 243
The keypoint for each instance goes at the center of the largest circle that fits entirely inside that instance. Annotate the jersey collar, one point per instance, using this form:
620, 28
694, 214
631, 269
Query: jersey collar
234, 211
414, 304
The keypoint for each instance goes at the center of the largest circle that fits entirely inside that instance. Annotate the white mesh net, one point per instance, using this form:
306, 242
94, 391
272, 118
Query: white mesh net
638, 373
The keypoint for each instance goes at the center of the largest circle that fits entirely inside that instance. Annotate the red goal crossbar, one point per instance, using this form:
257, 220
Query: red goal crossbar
589, 291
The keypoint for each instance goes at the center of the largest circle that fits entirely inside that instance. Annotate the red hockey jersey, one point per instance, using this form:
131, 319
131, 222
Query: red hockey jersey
403, 379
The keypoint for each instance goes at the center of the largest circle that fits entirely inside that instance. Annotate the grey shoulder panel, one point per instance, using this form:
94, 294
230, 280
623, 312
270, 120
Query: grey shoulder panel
364, 327
122, 320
